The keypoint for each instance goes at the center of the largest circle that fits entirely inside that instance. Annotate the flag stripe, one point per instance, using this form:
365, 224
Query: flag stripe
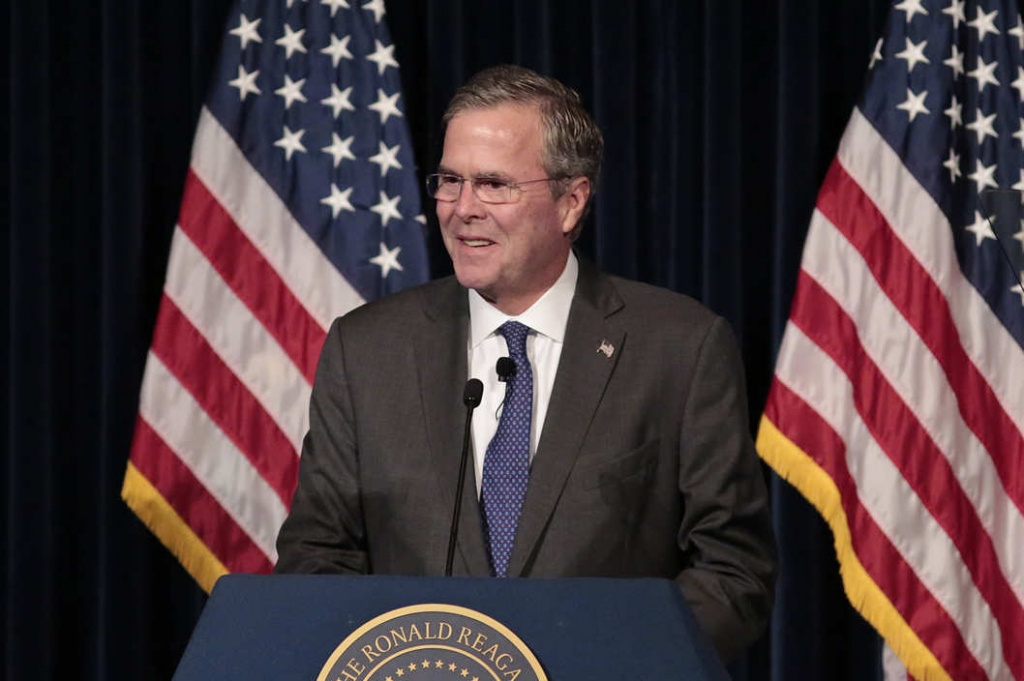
882, 563
925, 308
908, 445
233, 408
212, 458
917, 377
250, 276
268, 224
924, 231
194, 504
891, 501
238, 338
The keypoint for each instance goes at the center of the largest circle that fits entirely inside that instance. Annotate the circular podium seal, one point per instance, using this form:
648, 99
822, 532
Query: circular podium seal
432, 642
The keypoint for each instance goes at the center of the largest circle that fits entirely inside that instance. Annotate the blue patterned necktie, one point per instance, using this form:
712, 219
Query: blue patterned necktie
507, 464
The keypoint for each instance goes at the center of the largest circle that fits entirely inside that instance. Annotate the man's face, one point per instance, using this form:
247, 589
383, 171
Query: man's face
509, 253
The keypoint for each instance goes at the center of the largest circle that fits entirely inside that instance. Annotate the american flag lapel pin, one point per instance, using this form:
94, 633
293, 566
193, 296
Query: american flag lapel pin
606, 348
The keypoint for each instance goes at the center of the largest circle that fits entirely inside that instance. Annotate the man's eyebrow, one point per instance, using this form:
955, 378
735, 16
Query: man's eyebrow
486, 175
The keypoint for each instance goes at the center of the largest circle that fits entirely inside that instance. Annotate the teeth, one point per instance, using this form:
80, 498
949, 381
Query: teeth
476, 242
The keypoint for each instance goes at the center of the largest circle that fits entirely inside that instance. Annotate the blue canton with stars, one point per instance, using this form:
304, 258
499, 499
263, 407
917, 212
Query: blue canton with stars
944, 90
310, 92
507, 463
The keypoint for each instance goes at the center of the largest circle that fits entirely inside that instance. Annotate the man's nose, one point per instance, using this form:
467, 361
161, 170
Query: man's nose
467, 205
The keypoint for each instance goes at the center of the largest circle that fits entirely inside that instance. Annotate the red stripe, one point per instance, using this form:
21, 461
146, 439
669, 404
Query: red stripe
200, 511
234, 409
880, 559
915, 454
921, 302
250, 276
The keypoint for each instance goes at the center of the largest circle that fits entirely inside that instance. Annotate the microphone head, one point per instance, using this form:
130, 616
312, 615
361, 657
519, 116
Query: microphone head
472, 393
506, 367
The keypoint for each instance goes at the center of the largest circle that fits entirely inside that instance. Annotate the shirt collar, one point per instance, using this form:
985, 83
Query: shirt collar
548, 316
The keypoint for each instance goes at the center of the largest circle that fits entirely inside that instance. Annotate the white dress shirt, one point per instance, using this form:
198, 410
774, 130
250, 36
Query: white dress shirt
547, 318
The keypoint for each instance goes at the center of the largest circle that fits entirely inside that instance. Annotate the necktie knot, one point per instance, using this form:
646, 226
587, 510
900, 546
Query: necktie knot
515, 335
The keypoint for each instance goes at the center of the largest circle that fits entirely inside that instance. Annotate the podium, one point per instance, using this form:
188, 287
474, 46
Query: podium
288, 626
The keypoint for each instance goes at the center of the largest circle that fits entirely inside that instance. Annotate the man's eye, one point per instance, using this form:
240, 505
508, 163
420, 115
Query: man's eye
449, 180
491, 184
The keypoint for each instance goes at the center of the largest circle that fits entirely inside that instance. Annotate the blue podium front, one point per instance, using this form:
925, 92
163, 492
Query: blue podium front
290, 626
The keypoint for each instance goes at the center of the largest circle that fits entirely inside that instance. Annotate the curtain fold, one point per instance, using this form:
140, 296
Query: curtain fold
720, 119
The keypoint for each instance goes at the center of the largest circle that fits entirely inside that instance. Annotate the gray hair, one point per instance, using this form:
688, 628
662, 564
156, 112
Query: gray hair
572, 142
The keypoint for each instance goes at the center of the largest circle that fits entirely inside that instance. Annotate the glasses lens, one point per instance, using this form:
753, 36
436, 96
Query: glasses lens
444, 187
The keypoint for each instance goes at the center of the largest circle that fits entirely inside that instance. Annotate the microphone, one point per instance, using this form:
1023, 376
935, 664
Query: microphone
471, 396
506, 367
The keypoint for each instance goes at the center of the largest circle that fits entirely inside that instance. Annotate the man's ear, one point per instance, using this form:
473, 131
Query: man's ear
575, 200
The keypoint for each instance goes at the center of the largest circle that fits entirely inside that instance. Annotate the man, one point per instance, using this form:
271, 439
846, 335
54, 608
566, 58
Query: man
616, 445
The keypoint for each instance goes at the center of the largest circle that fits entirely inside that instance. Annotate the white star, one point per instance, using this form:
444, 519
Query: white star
911, 7
387, 158
291, 142
985, 23
387, 208
338, 49
246, 83
292, 2
980, 229
955, 112
983, 175
340, 148
1018, 32
246, 31
1019, 236
1016, 288
386, 106
955, 62
876, 56
956, 10
1019, 83
291, 41
983, 73
1019, 186
1019, 135
953, 164
291, 91
338, 101
422, 219
383, 57
914, 104
983, 126
913, 54
387, 260
377, 7
334, 5
338, 200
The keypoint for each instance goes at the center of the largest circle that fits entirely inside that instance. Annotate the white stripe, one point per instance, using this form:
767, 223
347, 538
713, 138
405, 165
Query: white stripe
264, 218
920, 224
238, 338
919, 380
890, 501
223, 470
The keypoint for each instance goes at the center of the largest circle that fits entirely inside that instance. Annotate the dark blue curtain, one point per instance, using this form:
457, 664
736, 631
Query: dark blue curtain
720, 119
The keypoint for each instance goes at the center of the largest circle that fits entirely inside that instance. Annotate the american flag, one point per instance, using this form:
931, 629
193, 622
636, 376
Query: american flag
897, 406
301, 202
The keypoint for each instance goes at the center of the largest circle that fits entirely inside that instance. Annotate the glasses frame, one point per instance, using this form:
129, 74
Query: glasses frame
514, 188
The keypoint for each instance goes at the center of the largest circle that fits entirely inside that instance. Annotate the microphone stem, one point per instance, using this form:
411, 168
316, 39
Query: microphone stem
458, 493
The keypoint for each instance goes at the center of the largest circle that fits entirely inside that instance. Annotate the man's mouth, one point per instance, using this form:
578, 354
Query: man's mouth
477, 243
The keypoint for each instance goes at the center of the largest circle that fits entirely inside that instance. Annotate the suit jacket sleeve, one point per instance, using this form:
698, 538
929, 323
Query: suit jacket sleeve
726, 534
324, 531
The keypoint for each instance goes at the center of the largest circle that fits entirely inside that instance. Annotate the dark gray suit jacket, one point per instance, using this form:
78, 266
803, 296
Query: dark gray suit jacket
645, 467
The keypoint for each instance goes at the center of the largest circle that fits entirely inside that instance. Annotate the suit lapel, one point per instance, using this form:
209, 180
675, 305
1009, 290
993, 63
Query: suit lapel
442, 368
589, 355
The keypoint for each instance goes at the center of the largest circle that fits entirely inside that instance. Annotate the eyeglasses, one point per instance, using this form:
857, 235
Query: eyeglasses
447, 188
